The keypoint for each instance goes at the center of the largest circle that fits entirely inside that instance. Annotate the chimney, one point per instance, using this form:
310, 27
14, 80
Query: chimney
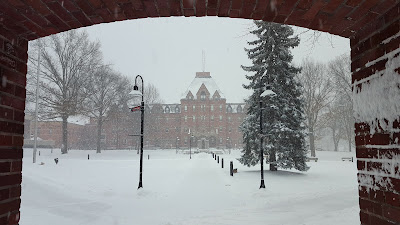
203, 75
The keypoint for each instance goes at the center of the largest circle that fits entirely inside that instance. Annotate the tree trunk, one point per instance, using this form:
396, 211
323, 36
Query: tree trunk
350, 144
312, 140
64, 146
272, 161
99, 128
335, 140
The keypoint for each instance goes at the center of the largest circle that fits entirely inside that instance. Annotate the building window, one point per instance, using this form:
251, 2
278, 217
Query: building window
229, 109
220, 108
185, 118
212, 108
194, 118
229, 118
239, 109
203, 95
212, 118
220, 118
194, 108
177, 109
166, 130
185, 108
220, 140
167, 110
230, 130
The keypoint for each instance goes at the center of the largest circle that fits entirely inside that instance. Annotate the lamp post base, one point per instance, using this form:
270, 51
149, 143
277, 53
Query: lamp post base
140, 185
262, 185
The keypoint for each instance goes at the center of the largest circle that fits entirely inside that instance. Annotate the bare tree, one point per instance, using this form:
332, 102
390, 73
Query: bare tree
339, 70
104, 90
317, 93
120, 111
332, 120
68, 59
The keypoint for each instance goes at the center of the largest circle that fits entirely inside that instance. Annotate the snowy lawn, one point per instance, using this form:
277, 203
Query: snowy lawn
103, 190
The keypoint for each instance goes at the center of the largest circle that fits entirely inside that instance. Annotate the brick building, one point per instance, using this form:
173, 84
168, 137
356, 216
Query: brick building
52, 131
203, 113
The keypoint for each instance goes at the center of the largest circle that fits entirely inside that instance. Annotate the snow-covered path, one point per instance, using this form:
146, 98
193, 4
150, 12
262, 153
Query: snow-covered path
179, 191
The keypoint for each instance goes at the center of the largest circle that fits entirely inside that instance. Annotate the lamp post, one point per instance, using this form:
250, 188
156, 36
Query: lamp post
136, 92
228, 146
190, 145
267, 93
177, 139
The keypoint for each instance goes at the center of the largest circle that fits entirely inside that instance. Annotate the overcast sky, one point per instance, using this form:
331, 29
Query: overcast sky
167, 52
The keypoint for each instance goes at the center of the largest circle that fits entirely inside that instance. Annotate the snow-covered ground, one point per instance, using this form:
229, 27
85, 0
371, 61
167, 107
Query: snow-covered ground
103, 190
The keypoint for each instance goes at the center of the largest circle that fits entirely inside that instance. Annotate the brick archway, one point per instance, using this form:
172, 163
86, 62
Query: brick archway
373, 27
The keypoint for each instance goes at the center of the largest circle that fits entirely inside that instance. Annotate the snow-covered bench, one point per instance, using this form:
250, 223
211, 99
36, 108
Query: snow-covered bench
347, 158
312, 158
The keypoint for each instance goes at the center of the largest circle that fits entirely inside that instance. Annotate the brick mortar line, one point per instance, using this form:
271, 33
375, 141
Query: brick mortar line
379, 216
13, 70
376, 31
10, 173
14, 96
11, 121
359, 56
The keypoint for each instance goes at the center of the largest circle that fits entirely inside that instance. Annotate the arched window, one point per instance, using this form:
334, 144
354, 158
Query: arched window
177, 110
239, 109
167, 110
229, 109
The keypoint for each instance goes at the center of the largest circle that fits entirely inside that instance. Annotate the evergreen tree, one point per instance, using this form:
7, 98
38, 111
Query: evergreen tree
283, 117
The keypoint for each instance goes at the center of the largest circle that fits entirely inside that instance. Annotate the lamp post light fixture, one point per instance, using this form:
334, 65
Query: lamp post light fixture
267, 93
135, 93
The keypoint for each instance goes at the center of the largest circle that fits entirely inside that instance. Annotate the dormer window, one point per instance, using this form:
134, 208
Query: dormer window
167, 110
229, 109
189, 96
177, 109
203, 95
239, 109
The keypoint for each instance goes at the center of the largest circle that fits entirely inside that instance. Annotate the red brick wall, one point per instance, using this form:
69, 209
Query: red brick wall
375, 55
368, 23
52, 130
13, 57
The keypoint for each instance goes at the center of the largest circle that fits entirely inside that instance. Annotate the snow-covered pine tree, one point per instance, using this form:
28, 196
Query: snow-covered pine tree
283, 117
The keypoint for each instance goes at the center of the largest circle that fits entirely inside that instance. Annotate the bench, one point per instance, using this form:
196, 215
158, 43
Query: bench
347, 158
312, 158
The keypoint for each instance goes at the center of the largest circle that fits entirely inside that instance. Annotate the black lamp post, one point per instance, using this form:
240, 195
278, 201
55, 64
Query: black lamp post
177, 139
267, 93
190, 145
135, 93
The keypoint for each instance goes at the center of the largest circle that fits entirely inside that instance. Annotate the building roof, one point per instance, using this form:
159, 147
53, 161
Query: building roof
206, 79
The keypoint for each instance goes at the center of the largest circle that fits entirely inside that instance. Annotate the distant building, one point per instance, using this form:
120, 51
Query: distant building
52, 131
203, 113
